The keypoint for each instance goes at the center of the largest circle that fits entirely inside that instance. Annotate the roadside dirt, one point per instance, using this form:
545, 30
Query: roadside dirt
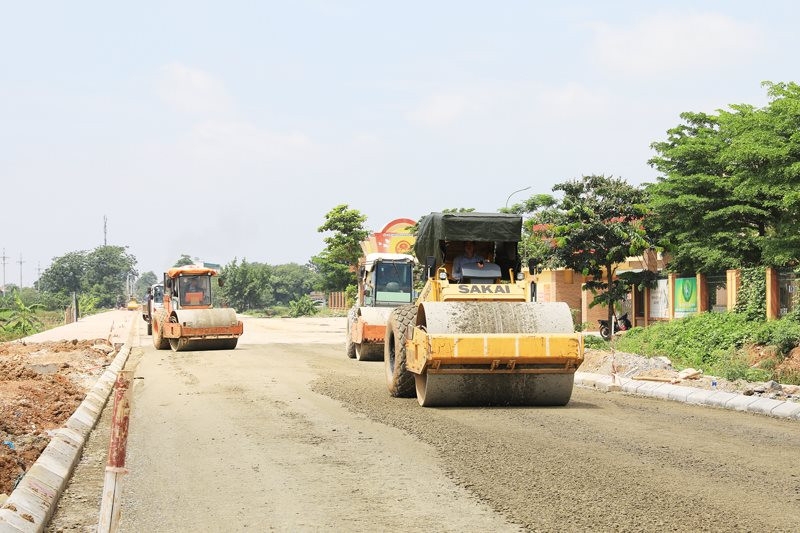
41, 386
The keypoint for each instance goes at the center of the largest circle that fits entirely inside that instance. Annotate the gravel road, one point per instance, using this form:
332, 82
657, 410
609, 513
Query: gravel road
286, 433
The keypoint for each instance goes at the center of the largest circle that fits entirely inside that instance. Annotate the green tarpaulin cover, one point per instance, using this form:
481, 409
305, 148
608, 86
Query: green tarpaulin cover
480, 227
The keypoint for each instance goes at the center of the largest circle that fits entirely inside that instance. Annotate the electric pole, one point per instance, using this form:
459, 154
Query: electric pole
20, 271
105, 230
4, 257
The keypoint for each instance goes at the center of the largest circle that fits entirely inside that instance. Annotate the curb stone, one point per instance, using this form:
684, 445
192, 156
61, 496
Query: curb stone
691, 395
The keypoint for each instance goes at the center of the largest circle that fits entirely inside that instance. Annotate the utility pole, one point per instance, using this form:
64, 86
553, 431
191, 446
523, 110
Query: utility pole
20, 271
105, 230
4, 257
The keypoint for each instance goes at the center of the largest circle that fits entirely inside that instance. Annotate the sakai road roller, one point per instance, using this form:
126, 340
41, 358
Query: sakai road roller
478, 341
187, 320
385, 281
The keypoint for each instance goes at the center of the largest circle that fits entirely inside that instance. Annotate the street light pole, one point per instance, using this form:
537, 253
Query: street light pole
515, 192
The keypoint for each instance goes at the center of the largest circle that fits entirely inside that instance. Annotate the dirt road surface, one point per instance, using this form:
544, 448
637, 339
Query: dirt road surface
286, 433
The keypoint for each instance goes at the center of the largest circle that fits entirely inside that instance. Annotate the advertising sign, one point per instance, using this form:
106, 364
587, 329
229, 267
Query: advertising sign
685, 297
659, 301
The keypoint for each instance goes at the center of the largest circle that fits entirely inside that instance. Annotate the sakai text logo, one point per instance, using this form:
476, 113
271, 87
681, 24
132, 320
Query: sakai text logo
484, 289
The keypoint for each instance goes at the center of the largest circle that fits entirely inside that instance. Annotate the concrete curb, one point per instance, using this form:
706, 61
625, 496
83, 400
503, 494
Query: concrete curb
31, 505
692, 395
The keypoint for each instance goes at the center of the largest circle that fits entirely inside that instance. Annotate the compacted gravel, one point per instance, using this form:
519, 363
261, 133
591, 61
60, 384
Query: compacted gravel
287, 433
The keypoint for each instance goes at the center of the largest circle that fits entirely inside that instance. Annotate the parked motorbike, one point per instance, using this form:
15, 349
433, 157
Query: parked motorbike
621, 323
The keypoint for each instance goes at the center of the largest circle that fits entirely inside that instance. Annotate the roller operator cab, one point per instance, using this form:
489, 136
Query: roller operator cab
479, 340
188, 320
385, 281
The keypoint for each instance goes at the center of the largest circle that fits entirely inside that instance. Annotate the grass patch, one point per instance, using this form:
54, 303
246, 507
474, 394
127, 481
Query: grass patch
720, 344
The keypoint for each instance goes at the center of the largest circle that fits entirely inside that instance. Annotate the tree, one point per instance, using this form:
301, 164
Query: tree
247, 285
145, 281
108, 269
337, 264
729, 195
292, 281
538, 239
184, 261
597, 225
102, 274
65, 275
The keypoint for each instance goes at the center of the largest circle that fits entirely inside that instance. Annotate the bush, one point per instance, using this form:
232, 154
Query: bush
717, 343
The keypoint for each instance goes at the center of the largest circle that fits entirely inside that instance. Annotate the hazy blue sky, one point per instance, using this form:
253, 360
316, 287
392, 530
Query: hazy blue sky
228, 130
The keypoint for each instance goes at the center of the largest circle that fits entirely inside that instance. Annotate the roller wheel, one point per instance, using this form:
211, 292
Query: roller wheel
159, 341
177, 345
228, 344
350, 345
399, 380
369, 352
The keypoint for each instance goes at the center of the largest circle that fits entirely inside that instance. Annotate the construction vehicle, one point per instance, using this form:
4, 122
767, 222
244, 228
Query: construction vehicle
480, 341
187, 320
385, 280
154, 300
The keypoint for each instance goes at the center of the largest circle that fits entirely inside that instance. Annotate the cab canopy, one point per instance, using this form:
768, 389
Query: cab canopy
437, 228
190, 270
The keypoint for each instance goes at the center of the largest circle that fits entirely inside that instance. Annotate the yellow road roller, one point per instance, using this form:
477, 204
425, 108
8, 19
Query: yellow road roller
473, 338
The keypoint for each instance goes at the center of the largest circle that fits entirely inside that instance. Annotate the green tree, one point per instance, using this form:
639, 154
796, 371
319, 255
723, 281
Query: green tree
108, 269
247, 285
65, 275
292, 281
542, 214
144, 282
729, 196
337, 263
184, 261
597, 225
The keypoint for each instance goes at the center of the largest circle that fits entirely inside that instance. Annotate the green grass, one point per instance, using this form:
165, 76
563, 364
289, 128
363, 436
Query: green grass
719, 344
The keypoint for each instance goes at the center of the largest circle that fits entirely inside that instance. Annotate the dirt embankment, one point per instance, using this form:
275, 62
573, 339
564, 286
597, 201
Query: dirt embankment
41, 386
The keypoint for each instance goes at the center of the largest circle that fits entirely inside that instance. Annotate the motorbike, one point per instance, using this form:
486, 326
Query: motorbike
621, 323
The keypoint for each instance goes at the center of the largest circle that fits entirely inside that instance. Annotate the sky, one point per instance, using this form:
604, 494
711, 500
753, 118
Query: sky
228, 130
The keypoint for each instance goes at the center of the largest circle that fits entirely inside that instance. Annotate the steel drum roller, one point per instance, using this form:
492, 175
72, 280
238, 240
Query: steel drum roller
486, 388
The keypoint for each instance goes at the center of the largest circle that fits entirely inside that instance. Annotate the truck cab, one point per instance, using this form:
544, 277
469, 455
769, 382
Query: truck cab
386, 280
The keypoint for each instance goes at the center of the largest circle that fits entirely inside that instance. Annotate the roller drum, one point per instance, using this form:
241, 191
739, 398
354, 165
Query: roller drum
207, 318
494, 389
495, 317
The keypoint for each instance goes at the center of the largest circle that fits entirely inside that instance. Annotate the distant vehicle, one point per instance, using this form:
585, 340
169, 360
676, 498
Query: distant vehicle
385, 281
153, 302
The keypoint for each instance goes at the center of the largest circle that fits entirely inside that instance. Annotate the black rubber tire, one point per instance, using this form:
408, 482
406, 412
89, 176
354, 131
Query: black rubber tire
350, 346
399, 380
605, 332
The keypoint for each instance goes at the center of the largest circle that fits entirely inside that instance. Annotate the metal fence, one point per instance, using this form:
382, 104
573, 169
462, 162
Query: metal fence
787, 291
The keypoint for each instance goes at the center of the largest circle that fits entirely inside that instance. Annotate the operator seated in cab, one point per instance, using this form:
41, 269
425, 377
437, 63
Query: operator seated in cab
195, 291
471, 267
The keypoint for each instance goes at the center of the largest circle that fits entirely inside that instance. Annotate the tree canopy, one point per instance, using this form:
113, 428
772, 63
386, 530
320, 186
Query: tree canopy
102, 274
597, 224
337, 263
729, 196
